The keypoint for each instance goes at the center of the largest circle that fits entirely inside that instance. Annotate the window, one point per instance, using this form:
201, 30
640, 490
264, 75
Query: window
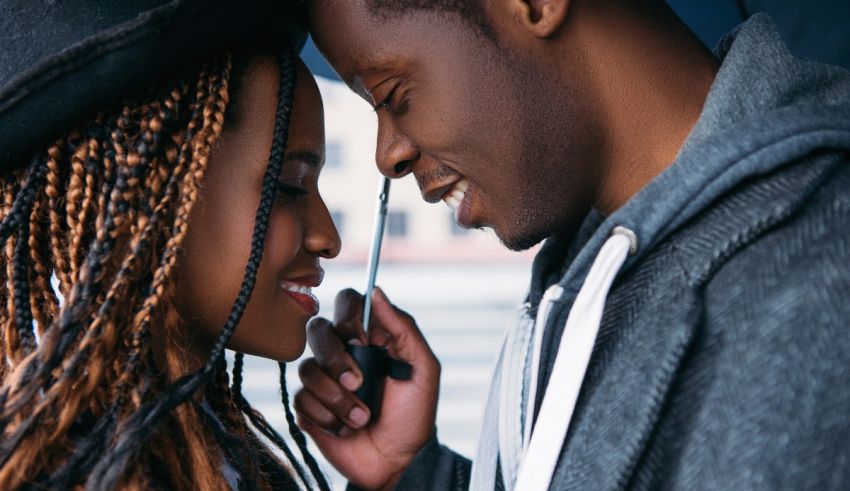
333, 154
397, 224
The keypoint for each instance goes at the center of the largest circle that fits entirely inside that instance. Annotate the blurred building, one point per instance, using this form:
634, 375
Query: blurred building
416, 231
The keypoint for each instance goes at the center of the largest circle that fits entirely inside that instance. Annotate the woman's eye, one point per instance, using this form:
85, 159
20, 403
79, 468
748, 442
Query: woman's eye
288, 193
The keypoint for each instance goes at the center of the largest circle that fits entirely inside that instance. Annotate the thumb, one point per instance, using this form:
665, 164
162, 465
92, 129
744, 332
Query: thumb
329, 445
406, 339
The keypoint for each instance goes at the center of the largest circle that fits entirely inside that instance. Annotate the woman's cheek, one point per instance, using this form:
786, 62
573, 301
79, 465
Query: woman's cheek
283, 240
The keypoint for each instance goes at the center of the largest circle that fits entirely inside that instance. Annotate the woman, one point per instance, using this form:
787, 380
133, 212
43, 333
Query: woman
145, 217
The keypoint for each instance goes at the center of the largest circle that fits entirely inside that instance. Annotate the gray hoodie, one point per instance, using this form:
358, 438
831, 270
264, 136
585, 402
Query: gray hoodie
722, 359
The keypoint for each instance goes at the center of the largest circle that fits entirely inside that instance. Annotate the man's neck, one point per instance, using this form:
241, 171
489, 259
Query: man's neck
652, 76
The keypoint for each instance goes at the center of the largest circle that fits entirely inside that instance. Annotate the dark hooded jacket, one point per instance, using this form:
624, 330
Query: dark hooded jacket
723, 356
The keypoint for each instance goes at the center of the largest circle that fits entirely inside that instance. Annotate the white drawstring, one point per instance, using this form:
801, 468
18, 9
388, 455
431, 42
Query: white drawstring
510, 392
483, 475
552, 294
582, 326
540, 454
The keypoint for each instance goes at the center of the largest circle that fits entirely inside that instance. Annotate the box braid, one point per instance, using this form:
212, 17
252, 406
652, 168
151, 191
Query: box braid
257, 419
97, 209
30, 398
108, 472
260, 423
295, 431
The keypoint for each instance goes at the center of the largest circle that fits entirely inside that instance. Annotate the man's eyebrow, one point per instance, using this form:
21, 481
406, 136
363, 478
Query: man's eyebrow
308, 157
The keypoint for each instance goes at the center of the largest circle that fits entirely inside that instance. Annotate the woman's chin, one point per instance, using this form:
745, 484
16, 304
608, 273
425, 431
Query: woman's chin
284, 354
281, 350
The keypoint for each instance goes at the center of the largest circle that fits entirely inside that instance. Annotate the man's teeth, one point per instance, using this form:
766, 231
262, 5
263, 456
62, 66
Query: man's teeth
455, 195
452, 201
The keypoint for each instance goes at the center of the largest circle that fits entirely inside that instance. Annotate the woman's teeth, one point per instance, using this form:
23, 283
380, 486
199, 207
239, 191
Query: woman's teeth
454, 197
291, 287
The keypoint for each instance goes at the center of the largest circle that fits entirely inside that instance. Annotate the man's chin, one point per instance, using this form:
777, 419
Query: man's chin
520, 242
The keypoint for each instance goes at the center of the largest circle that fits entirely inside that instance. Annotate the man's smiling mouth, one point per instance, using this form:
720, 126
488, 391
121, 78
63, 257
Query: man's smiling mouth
454, 196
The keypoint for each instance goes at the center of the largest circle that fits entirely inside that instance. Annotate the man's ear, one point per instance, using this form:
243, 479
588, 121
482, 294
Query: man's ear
542, 17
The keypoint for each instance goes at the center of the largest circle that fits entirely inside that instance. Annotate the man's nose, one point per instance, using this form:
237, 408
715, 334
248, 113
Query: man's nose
395, 152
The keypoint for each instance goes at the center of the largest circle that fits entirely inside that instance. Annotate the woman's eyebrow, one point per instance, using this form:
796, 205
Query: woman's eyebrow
308, 157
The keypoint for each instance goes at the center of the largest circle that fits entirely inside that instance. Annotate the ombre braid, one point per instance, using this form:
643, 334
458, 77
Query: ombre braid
105, 210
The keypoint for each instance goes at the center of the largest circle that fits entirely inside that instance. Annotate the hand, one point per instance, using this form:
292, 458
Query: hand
370, 455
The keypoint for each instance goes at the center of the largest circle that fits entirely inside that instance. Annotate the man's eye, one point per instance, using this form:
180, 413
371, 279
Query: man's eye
289, 193
390, 105
387, 103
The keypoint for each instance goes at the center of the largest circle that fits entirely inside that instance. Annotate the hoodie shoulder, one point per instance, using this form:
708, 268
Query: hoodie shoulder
794, 277
773, 370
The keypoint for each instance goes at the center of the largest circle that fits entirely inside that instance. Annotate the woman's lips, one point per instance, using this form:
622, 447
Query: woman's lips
302, 294
307, 301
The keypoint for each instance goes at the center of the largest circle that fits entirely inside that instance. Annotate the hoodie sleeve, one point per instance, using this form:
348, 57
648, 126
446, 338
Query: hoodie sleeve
435, 468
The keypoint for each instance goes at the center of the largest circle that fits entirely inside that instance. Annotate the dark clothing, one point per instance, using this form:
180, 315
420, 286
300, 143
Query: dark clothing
723, 357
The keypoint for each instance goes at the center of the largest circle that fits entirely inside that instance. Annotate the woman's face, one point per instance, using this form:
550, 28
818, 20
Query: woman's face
300, 232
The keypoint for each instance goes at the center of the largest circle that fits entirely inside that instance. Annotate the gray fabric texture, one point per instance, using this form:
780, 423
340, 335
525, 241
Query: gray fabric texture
723, 358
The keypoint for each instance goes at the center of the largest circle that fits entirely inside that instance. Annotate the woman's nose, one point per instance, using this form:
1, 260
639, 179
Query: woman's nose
322, 237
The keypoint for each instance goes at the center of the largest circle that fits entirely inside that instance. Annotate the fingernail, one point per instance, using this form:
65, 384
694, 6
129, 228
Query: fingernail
344, 432
349, 380
355, 342
358, 416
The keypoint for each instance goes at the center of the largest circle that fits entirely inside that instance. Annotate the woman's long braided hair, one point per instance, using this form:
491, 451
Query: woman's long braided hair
100, 216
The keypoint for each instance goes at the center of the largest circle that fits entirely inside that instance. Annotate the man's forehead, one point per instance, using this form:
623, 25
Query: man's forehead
362, 46
346, 34
334, 15
358, 48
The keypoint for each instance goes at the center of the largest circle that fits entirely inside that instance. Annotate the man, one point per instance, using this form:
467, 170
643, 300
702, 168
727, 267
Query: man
686, 321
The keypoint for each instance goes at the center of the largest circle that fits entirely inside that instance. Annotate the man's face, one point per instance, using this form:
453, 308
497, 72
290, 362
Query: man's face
479, 125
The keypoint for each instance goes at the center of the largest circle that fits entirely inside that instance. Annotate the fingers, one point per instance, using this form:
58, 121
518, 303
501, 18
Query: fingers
329, 352
397, 330
320, 437
348, 315
327, 403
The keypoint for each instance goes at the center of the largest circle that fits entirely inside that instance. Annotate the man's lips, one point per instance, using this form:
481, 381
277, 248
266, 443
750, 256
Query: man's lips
455, 196
457, 193
464, 210
435, 192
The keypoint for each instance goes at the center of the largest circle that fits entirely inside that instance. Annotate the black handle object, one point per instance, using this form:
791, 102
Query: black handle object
375, 364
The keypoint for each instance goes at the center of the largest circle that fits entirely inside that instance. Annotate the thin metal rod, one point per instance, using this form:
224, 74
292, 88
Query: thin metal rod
375, 249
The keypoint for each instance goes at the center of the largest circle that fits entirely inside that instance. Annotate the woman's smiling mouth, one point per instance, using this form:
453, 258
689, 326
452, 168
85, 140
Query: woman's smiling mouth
301, 290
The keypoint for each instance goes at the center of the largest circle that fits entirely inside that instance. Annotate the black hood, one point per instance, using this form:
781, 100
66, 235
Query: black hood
62, 61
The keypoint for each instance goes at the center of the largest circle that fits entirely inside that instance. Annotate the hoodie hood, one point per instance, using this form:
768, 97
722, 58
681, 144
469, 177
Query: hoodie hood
766, 108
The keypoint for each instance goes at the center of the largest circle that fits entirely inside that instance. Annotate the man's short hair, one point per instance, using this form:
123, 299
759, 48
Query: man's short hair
470, 11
